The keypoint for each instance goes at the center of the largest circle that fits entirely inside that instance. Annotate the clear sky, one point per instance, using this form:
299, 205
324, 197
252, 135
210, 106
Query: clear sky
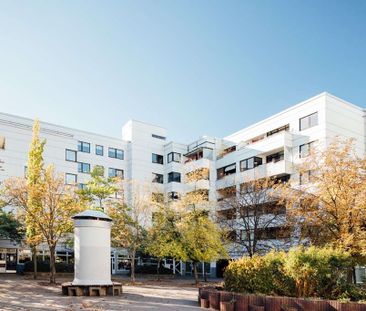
195, 67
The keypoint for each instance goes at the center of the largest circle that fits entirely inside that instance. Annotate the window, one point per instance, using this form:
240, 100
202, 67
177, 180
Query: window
174, 177
70, 179
99, 150
2, 142
81, 186
70, 155
250, 163
172, 196
83, 146
115, 153
158, 136
305, 177
114, 172
158, 178
83, 167
278, 130
226, 170
308, 121
276, 157
304, 150
174, 157
157, 158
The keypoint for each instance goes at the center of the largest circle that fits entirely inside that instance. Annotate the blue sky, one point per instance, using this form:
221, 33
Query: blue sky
195, 67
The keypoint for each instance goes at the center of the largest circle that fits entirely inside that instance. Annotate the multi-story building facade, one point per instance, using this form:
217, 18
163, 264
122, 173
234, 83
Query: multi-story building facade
271, 147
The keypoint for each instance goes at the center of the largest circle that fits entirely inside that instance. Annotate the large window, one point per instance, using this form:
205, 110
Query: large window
276, 157
83, 146
70, 155
83, 167
305, 177
279, 129
174, 157
114, 172
115, 153
158, 136
70, 179
308, 121
250, 163
304, 150
174, 177
157, 158
226, 170
99, 150
158, 178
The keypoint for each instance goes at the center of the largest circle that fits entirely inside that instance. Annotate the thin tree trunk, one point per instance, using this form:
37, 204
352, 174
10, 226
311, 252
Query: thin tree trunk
34, 256
158, 269
52, 265
195, 272
133, 254
204, 272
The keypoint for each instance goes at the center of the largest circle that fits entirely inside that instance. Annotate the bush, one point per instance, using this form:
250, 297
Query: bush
259, 274
44, 266
302, 272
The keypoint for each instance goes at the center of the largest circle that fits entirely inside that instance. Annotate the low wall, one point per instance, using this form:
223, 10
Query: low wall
227, 301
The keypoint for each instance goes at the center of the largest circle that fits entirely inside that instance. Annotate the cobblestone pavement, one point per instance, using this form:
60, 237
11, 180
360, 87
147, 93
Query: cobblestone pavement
22, 293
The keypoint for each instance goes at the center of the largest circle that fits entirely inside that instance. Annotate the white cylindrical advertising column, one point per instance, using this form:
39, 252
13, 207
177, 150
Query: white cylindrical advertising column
92, 248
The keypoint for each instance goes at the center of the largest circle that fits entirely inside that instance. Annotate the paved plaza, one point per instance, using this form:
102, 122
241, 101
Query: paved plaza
23, 293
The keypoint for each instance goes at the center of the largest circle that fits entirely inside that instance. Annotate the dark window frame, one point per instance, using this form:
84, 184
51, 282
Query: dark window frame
171, 157
221, 172
74, 151
158, 136
115, 170
71, 174
158, 178
96, 150
113, 153
256, 163
174, 177
81, 167
81, 147
308, 118
157, 158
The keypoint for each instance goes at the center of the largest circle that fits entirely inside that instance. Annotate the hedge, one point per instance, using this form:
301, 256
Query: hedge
44, 266
301, 272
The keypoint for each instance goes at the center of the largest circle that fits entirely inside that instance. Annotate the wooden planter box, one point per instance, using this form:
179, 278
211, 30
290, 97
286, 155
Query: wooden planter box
214, 297
204, 303
227, 305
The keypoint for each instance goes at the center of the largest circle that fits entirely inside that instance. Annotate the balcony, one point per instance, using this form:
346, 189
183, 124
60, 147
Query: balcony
268, 143
266, 170
195, 165
199, 184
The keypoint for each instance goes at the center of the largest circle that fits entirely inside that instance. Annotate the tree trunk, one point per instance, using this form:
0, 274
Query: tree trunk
52, 265
204, 272
158, 269
34, 256
133, 254
195, 272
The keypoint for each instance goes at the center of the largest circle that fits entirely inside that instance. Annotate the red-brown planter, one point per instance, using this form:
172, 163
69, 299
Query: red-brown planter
314, 305
226, 296
214, 297
241, 302
280, 304
205, 303
256, 308
227, 305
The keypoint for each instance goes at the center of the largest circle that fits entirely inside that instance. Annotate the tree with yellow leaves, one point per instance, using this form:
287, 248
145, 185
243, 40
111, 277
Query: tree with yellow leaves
329, 204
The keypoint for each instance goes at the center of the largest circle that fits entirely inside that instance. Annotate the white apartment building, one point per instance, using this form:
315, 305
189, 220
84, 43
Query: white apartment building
267, 148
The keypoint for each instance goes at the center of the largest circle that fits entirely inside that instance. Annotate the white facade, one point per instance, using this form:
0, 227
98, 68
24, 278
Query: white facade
147, 156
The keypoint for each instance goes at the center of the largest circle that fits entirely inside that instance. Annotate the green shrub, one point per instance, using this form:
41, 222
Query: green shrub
302, 272
259, 274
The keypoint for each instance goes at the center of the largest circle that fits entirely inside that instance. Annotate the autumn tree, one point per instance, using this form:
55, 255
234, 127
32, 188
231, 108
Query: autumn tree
164, 237
34, 172
131, 216
253, 217
328, 203
98, 189
202, 239
10, 227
